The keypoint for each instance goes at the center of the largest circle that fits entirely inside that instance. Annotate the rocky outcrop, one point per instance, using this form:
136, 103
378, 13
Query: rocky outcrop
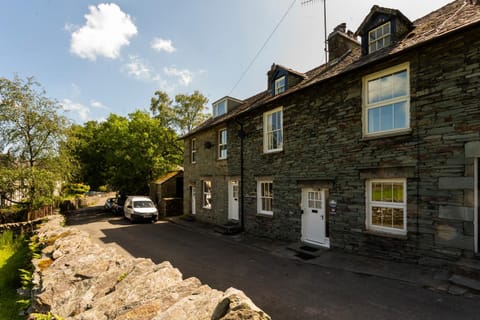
77, 279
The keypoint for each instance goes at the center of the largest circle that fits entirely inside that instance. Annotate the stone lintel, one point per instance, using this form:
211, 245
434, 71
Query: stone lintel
472, 149
455, 183
456, 213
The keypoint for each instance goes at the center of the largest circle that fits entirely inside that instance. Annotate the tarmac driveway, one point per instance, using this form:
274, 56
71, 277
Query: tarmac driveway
283, 287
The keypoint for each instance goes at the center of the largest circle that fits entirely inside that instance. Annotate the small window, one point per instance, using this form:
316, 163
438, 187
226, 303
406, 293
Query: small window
280, 85
387, 205
222, 144
265, 197
194, 150
386, 101
207, 194
379, 37
273, 130
220, 108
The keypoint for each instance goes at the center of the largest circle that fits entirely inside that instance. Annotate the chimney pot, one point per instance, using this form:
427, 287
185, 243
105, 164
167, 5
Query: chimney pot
340, 41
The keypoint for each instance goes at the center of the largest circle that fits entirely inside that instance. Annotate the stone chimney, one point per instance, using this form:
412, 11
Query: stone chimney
340, 41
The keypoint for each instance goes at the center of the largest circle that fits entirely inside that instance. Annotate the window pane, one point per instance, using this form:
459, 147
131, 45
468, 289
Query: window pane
399, 84
377, 216
374, 120
398, 222
387, 194
386, 28
387, 217
400, 115
398, 192
376, 192
386, 117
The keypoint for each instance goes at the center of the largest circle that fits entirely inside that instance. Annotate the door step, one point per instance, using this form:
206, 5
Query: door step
467, 267
230, 228
466, 282
306, 251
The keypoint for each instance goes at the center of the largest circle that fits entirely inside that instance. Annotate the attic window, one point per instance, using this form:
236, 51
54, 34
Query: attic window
280, 85
380, 37
220, 108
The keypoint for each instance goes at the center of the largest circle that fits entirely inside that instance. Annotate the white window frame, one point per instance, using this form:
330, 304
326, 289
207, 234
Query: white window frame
207, 194
261, 196
378, 39
267, 134
280, 84
383, 103
216, 106
395, 205
193, 150
222, 145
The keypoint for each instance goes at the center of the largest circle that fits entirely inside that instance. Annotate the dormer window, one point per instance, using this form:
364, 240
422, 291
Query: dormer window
219, 108
380, 37
280, 85
381, 28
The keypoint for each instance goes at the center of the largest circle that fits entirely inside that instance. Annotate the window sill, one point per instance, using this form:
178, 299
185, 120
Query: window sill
272, 151
384, 234
221, 159
265, 215
387, 134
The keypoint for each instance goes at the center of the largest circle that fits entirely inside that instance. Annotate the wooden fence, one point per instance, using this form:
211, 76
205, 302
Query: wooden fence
33, 218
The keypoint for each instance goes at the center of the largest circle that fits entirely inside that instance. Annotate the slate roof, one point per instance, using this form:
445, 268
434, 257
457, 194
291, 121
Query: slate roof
168, 176
452, 17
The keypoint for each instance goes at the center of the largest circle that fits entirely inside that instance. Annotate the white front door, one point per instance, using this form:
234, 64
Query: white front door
314, 217
192, 196
233, 200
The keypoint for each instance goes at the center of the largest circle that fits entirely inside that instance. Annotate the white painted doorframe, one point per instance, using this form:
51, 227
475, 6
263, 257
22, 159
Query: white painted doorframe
314, 217
233, 198
193, 200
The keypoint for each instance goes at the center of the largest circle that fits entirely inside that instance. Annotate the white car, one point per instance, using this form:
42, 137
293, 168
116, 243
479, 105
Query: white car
140, 208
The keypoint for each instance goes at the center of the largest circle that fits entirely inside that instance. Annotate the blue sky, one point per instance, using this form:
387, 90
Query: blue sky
98, 58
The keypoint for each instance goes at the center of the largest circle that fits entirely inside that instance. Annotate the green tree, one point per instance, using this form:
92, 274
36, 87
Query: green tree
125, 153
183, 114
30, 132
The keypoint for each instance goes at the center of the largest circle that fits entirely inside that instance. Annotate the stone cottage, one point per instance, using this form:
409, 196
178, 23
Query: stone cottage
375, 152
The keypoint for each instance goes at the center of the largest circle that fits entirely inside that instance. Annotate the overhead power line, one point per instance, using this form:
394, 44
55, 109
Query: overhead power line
263, 46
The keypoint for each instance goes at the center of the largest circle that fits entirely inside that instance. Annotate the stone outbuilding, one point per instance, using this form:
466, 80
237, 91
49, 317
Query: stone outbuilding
167, 193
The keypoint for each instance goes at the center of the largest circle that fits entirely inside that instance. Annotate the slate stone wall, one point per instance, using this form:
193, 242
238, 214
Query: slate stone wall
323, 142
207, 167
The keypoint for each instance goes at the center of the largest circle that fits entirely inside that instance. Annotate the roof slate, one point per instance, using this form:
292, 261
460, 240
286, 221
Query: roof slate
452, 17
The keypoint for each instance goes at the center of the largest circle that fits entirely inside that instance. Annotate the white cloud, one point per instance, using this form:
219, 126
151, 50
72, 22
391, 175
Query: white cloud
163, 45
98, 104
184, 76
70, 106
138, 68
106, 31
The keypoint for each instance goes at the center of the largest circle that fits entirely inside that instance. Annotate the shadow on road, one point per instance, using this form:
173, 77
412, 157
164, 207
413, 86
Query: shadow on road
89, 215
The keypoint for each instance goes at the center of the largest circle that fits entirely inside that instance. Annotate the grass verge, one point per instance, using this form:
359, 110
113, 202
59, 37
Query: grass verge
14, 255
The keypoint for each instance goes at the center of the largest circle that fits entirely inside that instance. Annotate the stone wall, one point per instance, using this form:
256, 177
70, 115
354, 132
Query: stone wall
77, 279
323, 143
206, 167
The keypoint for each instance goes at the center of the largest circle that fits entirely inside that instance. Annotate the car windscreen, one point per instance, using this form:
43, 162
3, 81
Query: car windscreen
143, 204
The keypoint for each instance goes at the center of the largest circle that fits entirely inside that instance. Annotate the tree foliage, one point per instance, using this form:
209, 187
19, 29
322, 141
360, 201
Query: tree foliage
183, 114
30, 133
124, 152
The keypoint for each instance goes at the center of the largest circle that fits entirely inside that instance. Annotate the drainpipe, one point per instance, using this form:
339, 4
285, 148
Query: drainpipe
241, 135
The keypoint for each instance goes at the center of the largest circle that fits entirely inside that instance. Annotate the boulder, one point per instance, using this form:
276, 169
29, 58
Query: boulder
88, 281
